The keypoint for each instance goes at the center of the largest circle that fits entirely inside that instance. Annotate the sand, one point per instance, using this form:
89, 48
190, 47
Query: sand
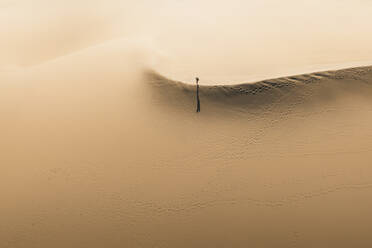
91, 161
101, 145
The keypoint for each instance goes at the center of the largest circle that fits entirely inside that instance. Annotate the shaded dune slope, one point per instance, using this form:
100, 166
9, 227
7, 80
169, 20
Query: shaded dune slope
301, 90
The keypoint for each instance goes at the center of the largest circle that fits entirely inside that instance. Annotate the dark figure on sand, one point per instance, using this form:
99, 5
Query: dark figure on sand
197, 96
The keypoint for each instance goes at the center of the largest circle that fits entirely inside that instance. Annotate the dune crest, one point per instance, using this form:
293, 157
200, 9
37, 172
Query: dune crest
313, 88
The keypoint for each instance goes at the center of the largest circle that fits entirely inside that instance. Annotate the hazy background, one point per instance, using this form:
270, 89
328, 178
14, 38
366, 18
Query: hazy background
220, 41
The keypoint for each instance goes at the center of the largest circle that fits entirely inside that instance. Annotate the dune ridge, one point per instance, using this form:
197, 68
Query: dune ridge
282, 83
304, 88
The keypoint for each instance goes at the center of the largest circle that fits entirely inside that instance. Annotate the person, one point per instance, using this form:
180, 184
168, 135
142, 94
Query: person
197, 96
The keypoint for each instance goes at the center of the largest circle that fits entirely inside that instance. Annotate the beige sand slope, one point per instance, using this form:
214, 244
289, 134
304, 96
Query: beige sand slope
96, 155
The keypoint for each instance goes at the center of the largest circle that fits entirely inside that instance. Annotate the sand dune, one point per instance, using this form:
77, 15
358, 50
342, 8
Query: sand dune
98, 151
115, 157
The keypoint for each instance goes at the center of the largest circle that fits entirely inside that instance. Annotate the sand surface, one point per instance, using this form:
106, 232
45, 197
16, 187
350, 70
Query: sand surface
101, 148
90, 162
